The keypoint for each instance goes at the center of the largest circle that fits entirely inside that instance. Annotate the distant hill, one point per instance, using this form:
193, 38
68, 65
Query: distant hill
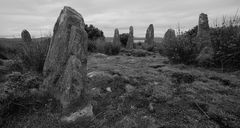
138, 39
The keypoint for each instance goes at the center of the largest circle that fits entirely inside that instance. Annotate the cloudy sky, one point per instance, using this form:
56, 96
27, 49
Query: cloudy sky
39, 16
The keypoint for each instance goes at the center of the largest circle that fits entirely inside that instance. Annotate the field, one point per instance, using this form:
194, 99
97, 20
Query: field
148, 92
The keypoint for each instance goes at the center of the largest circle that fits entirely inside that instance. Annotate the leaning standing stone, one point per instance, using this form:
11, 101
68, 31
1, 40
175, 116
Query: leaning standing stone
65, 68
130, 38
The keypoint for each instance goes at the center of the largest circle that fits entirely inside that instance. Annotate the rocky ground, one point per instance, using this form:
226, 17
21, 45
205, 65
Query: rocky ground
147, 92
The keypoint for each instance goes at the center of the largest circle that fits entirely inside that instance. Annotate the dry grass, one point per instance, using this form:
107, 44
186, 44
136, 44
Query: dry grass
33, 54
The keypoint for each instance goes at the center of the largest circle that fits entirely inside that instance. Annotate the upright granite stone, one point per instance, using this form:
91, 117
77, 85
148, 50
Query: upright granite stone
130, 38
203, 40
116, 38
65, 68
149, 39
26, 37
169, 35
203, 26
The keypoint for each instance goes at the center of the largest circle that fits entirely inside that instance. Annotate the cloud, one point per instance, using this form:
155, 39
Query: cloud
39, 16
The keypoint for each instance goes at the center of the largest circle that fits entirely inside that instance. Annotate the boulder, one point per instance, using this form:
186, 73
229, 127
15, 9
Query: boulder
65, 67
130, 39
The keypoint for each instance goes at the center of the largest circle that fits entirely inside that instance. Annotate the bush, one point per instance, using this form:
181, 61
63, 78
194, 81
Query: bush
226, 45
33, 54
225, 41
180, 50
93, 32
102, 46
148, 47
20, 95
124, 39
92, 46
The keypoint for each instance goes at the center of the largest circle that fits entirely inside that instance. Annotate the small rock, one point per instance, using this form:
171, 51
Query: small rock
100, 55
151, 108
109, 89
95, 92
129, 88
85, 112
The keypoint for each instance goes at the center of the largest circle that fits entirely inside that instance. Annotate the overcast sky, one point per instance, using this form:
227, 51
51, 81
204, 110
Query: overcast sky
39, 16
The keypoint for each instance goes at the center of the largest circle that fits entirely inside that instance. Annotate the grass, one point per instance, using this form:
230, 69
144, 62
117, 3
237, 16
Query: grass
33, 54
163, 96
102, 46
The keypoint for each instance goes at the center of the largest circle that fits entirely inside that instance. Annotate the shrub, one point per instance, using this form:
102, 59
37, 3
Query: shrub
226, 45
93, 32
148, 47
124, 39
102, 46
92, 46
180, 50
33, 54
20, 95
115, 49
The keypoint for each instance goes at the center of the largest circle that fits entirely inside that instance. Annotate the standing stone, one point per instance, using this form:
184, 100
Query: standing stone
116, 38
26, 37
169, 35
130, 38
203, 40
203, 34
150, 35
65, 68
203, 26
149, 39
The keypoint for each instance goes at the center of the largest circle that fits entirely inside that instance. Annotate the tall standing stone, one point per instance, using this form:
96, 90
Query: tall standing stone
65, 68
130, 38
149, 39
203, 40
116, 38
